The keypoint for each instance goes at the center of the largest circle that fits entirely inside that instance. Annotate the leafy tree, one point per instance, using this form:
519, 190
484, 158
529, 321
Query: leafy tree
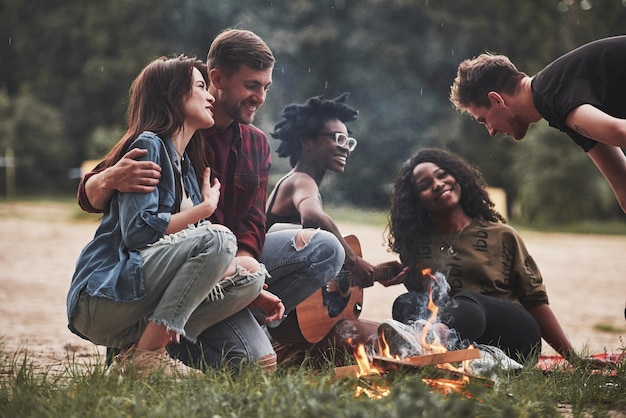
35, 133
397, 58
558, 183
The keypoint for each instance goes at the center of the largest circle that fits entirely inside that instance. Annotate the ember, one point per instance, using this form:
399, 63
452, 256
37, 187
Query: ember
447, 386
371, 390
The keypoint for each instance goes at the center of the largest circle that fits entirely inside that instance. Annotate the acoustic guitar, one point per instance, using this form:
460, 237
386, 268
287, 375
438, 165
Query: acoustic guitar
339, 299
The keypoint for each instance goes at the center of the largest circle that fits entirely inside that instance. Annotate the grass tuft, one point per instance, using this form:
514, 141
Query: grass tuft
87, 390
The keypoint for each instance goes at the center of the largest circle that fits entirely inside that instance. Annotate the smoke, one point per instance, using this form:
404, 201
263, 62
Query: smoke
426, 321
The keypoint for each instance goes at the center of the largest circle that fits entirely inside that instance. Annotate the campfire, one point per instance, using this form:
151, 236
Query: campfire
442, 370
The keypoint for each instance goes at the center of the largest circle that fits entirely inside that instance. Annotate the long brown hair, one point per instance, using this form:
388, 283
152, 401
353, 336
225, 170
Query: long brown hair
157, 101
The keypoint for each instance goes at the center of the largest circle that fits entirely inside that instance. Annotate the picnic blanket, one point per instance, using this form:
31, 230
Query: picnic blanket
551, 363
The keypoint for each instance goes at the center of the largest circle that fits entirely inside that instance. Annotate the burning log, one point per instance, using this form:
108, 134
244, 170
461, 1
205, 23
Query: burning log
443, 377
382, 364
432, 359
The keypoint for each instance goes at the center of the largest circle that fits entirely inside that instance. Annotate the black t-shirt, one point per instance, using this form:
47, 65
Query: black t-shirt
593, 74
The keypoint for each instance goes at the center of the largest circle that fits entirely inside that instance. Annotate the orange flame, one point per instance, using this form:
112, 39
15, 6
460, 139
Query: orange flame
383, 348
435, 346
365, 368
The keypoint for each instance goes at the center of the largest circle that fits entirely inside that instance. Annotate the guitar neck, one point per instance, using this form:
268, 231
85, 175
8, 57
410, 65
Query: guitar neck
386, 271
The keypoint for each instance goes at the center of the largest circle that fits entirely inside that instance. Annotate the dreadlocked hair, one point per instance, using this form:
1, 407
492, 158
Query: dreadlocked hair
306, 120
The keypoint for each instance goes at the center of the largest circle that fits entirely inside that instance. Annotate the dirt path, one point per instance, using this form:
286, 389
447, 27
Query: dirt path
585, 275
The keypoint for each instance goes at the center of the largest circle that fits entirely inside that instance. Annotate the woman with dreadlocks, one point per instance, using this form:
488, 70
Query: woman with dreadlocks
315, 137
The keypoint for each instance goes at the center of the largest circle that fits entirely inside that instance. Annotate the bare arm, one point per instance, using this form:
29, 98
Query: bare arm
611, 162
551, 330
308, 202
554, 335
597, 125
127, 175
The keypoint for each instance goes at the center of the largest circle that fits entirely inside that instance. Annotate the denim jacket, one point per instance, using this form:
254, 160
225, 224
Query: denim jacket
110, 265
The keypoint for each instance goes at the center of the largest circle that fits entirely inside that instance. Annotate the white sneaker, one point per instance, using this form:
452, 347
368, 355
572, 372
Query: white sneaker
141, 363
400, 338
492, 359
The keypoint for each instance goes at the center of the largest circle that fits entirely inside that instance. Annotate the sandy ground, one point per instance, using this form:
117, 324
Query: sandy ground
584, 274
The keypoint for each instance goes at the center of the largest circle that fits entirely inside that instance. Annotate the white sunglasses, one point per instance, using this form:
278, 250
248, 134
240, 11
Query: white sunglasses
341, 139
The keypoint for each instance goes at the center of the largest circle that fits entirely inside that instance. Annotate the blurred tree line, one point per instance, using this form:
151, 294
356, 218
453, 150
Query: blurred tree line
66, 66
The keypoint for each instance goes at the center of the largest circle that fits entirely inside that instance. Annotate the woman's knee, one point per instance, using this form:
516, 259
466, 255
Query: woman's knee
212, 238
327, 247
407, 307
250, 264
468, 317
305, 237
218, 227
248, 276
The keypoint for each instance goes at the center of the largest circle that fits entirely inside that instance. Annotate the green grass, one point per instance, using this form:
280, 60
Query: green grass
357, 216
86, 390
610, 328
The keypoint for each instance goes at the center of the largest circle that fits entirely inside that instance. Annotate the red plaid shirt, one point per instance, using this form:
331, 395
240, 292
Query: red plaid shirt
244, 182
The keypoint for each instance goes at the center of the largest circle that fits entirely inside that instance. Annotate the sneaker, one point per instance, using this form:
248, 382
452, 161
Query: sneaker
141, 363
492, 359
400, 338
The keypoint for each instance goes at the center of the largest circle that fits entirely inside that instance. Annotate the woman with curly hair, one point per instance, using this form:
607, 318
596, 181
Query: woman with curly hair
443, 219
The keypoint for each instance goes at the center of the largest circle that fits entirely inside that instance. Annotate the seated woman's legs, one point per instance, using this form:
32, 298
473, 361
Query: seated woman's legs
179, 274
300, 262
507, 325
171, 274
479, 318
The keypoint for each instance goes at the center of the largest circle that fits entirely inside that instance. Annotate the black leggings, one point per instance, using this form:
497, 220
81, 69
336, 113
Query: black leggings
481, 319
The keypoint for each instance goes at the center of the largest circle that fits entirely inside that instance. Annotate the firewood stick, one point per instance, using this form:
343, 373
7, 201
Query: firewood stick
347, 371
437, 358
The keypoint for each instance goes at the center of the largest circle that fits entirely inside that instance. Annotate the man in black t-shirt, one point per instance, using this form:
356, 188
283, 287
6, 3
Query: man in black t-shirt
582, 93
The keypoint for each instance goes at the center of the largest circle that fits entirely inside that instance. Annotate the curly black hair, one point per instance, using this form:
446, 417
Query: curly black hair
409, 219
306, 121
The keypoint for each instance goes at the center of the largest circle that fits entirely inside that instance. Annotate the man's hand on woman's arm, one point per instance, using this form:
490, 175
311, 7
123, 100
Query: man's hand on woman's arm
127, 175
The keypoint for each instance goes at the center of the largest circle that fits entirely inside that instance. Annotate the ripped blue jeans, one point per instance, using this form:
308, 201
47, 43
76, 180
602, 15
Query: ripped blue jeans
185, 290
297, 270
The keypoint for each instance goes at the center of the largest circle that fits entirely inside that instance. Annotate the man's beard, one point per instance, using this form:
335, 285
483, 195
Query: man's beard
239, 112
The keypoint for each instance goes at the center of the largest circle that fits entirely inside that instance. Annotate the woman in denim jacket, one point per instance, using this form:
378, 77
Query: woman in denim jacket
155, 269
